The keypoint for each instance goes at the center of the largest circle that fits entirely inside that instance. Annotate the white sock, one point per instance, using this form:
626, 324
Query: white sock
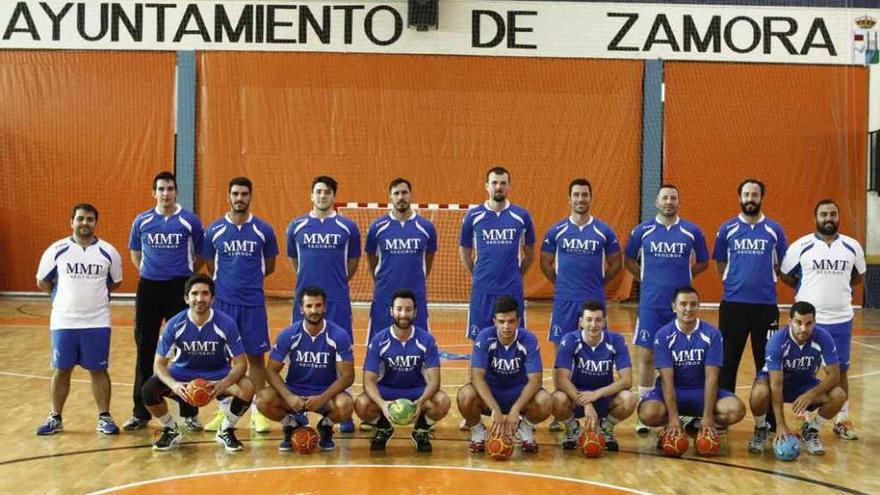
817, 422
229, 420
761, 421
643, 391
843, 415
288, 420
167, 421
478, 433
429, 421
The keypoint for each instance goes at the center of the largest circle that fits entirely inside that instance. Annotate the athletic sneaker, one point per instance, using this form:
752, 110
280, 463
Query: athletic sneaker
325, 434
346, 427
216, 421
607, 430
260, 423
526, 432
690, 425
811, 440
478, 438
422, 439
168, 438
759, 440
557, 425
572, 432
301, 418
642, 428
463, 426
227, 439
286, 445
135, 423
381, 437
845, 430
107, 426
192, 424
52, 425
364, 426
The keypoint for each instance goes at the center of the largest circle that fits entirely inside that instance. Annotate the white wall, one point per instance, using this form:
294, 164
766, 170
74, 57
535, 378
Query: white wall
873, 217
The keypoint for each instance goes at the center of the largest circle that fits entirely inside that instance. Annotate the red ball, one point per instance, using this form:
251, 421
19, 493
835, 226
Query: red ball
499, 447
591, 443
674, 445
198, 392
304, 439
707, 443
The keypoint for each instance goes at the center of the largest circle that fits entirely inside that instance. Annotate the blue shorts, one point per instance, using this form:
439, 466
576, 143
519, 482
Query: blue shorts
841, 333
689, 400
87, 347
505, 397
649, 321
253, 325
566, 316
791, 389
338, 311
482, 310
602, 406
380, 317
391, 393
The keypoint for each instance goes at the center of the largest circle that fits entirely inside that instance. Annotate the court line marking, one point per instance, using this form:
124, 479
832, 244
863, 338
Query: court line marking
370, 466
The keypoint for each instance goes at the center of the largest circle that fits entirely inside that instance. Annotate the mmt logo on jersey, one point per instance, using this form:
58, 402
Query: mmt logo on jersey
688, 355
801, 363
591, 366
499, 236
580, 245
306, 358
410, 245
83, 270
239, 247
319, 240
164, 241
402, 362
667, 249
199, 347
507, 366
757, 246
842, 266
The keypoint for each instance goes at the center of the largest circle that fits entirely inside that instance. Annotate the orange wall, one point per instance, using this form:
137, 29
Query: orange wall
78, 127
799, 129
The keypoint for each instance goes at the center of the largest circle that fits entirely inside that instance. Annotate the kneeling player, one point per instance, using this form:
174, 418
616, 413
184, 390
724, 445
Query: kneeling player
688, 354
794, 355
402, 361
321, 367
585, 381
203, 340
506, 375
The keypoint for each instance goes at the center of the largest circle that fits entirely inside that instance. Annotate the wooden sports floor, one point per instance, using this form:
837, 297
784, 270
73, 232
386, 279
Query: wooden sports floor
81, 461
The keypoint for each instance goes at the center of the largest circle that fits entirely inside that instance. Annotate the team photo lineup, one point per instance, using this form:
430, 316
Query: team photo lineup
202, 332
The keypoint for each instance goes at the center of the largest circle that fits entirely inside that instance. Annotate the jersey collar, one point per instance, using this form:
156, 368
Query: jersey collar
394, 334
312, 215
794, 339
210, 318
412, 215
589, 222
323, 328
658, 222
678, 328
584, 338
249, 218
742, 218
819, 238
515, 337
177, 208
507, 205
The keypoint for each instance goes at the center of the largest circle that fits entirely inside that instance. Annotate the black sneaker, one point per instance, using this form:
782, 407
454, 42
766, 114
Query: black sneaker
168, 438
325, 435
381, 437
286, 445
422, 438
135, 423
227, 439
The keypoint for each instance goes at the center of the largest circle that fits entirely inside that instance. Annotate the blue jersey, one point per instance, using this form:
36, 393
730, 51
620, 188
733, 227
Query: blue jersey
200, 352
688, 355
322, 248
168, 245
751, 252
665, 254
580, 258
496, 238
239, 254
592, 367
400, 364
799, 363
311, 361
401, 248
507, 366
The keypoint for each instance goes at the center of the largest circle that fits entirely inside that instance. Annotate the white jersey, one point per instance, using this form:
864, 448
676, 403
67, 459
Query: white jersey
80, 277
825, 273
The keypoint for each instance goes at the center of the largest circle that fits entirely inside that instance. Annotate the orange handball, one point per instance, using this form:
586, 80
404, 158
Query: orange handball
707, 443
198, 392
499, 447
591, 443
304, 440
674, 445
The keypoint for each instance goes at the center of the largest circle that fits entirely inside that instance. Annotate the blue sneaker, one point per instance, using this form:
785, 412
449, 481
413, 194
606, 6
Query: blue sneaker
286, 444
107, 426
52, 425
325, 434
301, 418
346, 427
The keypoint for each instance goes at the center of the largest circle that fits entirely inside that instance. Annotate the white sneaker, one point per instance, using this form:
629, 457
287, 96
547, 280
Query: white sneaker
642, 428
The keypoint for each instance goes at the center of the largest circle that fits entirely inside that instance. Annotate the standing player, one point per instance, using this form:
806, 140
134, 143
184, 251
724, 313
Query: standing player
321, 366
166, 247
506, 376
794, 356
79, 272
688, 354
400, 249
201, 342
664, 253
402, 361
586, 386
496, 247
823, 267
241, 249
748, 250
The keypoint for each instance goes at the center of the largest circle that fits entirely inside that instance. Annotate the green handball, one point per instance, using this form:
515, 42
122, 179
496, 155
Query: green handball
402, 411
